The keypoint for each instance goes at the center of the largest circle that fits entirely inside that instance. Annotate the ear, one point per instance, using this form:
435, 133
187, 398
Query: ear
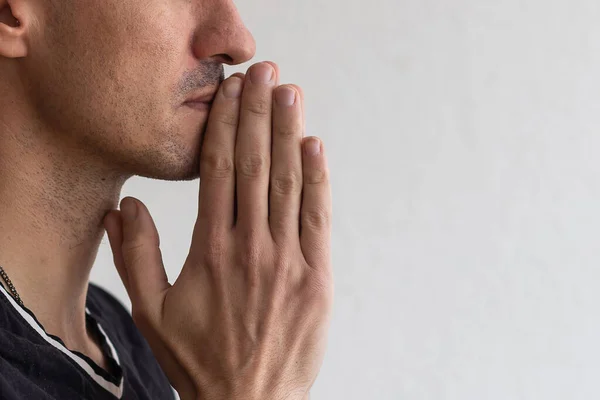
13, 43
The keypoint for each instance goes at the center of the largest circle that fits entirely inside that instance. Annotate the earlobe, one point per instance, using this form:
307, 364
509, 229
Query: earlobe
12, 41
13, 37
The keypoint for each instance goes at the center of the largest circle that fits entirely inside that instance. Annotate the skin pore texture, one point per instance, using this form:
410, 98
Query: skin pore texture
91, 94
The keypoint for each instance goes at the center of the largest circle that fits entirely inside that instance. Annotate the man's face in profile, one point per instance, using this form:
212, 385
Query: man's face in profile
112, 77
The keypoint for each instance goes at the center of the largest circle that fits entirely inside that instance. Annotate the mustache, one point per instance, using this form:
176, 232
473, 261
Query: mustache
208, 74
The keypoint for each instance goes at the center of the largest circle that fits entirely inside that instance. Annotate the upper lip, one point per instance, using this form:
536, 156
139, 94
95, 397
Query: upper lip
202, 97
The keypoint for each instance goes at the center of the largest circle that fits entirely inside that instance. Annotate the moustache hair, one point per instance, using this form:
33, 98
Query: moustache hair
208, 74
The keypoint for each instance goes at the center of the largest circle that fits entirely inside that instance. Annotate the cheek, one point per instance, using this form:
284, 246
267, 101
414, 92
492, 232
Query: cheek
146, 71
114, 77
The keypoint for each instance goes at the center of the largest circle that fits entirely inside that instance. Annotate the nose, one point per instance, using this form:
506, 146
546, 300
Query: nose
222, 35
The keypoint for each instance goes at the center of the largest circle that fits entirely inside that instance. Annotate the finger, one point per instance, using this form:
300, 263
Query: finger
301, 91
277, 73
276, 67
142, 258
217, 169
243, 75
286, 165
253, 148
177, 376
315, 215
114, 231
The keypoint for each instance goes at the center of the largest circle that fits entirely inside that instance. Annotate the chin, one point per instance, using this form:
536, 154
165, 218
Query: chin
171, 154
167, 163
181, 169
170, 172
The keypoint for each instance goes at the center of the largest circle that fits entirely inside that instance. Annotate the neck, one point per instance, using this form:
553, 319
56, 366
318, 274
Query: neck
53, 200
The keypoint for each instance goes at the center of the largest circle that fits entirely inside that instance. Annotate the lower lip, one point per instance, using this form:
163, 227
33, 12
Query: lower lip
198, 105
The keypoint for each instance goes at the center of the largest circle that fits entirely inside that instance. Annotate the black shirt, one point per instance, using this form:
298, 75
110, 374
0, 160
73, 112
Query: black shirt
37, 365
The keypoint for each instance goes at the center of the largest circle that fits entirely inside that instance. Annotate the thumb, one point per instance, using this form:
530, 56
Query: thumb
140, 257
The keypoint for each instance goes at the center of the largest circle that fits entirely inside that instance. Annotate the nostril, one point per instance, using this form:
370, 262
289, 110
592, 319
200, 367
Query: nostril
224, 58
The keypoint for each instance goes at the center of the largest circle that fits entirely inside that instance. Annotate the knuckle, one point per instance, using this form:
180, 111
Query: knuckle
318, 289
286, 183
215, 253
133, 251
259, 106
249, 255
319, 297
281, 219
228, 119
132, 245
215, 165
316, 176
289, 131
249, 250
251, 165
133, 258
281, 227
315, 219
283, 267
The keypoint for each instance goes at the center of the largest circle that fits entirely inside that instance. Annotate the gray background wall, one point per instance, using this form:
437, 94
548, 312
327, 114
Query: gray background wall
462, 139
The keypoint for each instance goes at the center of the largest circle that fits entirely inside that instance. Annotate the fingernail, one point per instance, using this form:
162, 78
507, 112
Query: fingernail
129, 209
232, 88
312, 147
285, 96
262, 73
